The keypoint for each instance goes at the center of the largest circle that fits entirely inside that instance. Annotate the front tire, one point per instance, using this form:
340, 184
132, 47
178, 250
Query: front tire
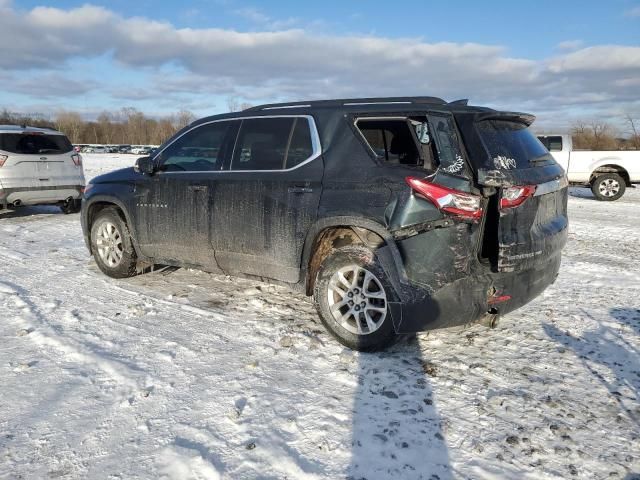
111, 245
608, 187
352, 295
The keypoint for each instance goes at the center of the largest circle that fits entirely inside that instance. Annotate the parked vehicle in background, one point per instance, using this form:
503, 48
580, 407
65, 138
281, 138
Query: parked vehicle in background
39, 166
608, 173
397, 214
95, 149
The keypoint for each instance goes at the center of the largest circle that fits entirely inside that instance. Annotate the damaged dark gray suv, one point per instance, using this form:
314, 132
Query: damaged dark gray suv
396, 214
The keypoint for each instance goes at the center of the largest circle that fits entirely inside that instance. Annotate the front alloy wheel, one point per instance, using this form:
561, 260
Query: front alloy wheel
109, 243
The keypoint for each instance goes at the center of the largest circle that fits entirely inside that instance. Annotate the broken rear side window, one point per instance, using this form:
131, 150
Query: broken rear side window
391, 140
34, 144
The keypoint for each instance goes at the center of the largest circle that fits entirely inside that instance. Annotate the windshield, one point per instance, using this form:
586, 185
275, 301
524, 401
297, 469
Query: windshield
511, 145
34, 143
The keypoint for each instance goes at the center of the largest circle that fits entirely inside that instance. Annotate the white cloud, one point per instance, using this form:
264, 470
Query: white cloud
570, 45
296, 64
634, 12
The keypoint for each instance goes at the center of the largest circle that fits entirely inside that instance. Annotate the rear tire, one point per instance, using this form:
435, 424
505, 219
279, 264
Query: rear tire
608, 187
111, 245
72, 206
352, 295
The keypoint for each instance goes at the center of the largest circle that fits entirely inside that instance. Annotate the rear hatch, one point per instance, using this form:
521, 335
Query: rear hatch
37, 159
525, 224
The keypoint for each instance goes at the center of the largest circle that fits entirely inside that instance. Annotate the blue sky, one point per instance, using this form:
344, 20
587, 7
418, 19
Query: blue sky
563, 60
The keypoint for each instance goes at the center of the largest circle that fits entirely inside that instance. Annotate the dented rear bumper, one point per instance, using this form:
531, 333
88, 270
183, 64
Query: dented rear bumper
466, 300
431, 294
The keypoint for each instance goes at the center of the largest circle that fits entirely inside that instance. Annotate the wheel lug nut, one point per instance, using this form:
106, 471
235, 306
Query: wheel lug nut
355, 290
363, 304
350, 303
357, 309
350, 295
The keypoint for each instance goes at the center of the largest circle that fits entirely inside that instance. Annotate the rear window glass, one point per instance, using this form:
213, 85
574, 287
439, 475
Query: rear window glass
34, 144
510, 144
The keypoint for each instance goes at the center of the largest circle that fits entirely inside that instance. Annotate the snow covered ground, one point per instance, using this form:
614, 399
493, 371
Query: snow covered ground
185, 375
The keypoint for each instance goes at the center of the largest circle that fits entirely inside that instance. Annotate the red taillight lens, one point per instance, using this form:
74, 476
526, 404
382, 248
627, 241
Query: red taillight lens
514, 196
460, 204
77, 159
3, 158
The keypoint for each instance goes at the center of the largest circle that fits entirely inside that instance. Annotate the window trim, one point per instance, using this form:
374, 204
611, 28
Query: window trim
315, 144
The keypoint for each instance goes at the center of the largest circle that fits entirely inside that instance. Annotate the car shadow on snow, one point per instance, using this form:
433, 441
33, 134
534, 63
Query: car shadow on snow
609, 356
581, 192
397, 429
30, 211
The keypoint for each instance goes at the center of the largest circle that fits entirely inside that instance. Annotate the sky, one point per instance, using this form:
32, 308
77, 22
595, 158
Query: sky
564, 61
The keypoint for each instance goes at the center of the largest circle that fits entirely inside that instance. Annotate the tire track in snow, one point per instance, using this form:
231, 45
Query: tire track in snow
45, 335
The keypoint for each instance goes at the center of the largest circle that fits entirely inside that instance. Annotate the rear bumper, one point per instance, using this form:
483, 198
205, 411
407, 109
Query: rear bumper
40, 195
467, 300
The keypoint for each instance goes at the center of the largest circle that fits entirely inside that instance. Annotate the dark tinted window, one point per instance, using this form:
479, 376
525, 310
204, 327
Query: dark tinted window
510, 144
201, 149
448, 147
300, 147
262, 144
34, 143
555, 144
391, 140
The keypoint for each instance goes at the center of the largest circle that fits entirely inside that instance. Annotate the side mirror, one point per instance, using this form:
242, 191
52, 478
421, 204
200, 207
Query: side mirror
144, 165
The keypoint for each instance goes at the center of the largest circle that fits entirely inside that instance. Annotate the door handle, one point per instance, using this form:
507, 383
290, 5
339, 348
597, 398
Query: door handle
298, 189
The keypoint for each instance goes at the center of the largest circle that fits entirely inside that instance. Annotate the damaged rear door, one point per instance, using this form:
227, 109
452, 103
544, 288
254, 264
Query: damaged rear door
526, 219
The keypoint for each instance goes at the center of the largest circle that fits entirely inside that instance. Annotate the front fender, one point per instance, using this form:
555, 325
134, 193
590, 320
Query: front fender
87, 203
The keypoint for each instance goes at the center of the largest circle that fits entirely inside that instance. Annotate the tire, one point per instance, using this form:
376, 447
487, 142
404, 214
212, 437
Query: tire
374, 331
111, 245
71, 207
608, 187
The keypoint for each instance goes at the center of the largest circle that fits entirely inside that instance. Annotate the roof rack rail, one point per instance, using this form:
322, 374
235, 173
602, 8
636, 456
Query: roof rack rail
463, 101
350, 102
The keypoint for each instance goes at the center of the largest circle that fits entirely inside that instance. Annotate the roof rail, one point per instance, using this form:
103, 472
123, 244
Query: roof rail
463, 101
350, 102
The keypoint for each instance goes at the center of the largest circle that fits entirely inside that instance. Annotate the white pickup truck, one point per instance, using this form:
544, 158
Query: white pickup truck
608, 173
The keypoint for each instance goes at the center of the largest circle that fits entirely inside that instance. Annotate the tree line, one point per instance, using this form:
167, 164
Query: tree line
127, 126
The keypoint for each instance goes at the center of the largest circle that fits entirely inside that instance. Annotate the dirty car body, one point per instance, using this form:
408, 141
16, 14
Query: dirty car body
462, 207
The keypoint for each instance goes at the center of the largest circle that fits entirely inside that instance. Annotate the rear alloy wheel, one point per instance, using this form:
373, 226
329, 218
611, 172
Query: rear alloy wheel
608, 186
111, 245
352, 297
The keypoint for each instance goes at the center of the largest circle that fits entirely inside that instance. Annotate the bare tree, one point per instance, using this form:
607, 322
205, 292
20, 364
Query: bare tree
183, 118
233, 104
69, 123
633, 125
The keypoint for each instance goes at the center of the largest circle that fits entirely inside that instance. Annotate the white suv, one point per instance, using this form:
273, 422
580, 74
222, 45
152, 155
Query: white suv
39, 166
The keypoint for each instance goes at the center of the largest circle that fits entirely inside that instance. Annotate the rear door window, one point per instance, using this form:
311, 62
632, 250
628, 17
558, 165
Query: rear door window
272, 143
34, 143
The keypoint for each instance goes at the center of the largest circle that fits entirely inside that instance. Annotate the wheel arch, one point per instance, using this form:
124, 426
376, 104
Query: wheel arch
609, 167
98, 203
335, 232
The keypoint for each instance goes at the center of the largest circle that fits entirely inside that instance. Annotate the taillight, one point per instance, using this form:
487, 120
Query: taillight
460, 204
3, 158
77, 159
514, 196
